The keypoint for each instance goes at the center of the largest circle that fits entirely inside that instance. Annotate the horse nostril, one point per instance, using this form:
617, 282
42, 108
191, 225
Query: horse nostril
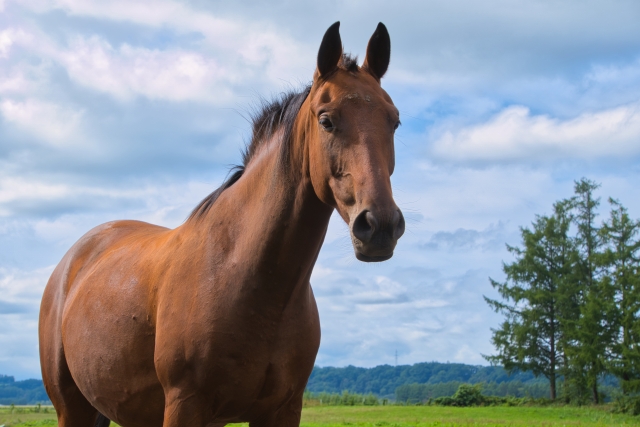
364, 226
398, 224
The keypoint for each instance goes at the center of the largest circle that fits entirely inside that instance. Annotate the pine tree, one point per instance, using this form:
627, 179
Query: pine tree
622, 258
534, 296
590, 340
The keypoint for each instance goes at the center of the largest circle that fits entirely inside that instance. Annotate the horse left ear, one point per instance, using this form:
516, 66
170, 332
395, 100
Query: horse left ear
378, 52
330, 50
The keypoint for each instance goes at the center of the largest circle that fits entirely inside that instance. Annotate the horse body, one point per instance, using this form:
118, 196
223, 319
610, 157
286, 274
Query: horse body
215, 321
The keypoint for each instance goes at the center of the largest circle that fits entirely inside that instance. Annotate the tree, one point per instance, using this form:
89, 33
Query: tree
622, 258
535, 295
590, 340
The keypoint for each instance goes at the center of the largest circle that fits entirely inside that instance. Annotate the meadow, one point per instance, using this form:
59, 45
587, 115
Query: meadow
400, 416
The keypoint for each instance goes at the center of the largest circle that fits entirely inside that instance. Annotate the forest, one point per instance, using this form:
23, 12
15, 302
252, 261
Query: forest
419, 381
21, 392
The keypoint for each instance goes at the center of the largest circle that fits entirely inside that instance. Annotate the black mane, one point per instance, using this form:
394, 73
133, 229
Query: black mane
279, 113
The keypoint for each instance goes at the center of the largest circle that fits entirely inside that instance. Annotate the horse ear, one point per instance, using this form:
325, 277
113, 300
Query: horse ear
330, 50
378, 52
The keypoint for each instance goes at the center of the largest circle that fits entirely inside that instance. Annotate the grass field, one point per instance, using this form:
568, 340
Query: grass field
404, 416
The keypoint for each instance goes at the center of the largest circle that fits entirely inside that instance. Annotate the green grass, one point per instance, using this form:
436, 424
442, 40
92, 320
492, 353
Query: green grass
28, 416
422, 416
406, 416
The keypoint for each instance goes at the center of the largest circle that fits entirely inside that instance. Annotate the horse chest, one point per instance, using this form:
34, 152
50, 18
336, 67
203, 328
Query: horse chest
257, 355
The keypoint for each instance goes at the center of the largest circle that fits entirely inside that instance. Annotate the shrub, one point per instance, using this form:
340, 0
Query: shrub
627, 404
469, 395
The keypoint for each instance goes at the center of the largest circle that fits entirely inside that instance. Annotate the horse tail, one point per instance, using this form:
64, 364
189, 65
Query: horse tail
102, 421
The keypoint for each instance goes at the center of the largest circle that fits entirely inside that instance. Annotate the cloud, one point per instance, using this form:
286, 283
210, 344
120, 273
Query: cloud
33, 196
128, 71
516, 135
230, 51
50, 123
9, 37
5, 42
54, 202
414, 310
489, 239
129, 110
23, 289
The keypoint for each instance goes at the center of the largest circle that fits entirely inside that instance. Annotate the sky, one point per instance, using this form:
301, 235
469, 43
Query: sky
137, 110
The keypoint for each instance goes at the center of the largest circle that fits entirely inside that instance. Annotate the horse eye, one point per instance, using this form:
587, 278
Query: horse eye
326, 123
397, 125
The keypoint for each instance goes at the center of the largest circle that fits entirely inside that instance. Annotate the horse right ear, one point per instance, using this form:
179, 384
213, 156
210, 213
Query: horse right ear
330, 50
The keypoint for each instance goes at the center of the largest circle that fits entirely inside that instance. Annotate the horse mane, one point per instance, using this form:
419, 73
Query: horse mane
278, 113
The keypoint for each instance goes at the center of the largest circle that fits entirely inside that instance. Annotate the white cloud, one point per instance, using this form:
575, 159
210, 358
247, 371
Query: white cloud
19, 286
250, 51
9, 37
16, 83
51, 123
149, 13
516, 134
19, 190
5, 42
128, 71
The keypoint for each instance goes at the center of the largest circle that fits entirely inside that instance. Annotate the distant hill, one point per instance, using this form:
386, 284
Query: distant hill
382, 380
27, 392
385, 379
415, 381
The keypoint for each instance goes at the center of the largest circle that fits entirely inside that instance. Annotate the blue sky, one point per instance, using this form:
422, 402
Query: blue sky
114, 110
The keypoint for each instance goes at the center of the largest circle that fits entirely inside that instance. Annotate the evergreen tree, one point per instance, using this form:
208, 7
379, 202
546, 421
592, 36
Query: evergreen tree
572, 301
535, 295
590, 340
622, 258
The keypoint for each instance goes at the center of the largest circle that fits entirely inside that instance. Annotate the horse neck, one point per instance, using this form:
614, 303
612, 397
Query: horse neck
275, 222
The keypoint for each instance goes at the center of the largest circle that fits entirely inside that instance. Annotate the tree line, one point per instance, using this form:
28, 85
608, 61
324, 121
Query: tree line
571, 299
22, 392
383, 380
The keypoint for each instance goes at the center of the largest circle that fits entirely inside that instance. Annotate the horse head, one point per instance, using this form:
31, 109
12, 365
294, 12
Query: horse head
351, 127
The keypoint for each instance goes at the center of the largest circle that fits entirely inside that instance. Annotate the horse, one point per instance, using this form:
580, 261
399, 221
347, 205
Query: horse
215, 321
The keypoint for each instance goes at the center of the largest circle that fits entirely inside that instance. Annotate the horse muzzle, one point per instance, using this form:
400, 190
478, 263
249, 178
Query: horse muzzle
375, 234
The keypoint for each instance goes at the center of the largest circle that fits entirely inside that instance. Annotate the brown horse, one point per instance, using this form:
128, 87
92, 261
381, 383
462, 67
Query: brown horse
215, 322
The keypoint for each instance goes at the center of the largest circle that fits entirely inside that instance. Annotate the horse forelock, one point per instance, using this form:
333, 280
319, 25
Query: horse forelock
348, 62
280, 113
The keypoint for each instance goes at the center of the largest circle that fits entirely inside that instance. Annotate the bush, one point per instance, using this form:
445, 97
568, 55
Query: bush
469, 395
627, 404
344, 399
466, 395
444, 401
